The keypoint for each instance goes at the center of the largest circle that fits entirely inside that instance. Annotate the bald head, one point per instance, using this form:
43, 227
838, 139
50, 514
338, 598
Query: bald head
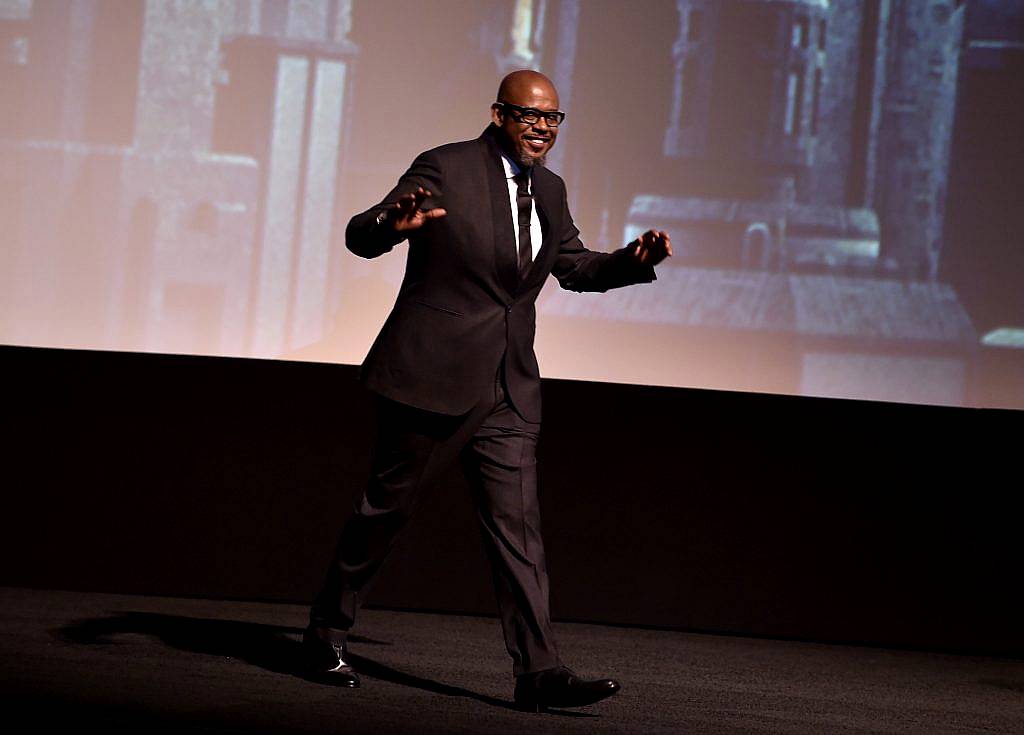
521, 92
526, 83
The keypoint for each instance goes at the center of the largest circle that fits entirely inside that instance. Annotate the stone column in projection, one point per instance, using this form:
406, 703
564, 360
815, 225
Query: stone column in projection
923, 39
308, 54
189, 206
520, 47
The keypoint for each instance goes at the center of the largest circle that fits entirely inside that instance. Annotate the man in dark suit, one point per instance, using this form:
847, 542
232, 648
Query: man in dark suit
456, 376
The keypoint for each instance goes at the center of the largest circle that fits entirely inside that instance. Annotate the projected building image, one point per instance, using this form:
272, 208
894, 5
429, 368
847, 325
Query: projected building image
176, 177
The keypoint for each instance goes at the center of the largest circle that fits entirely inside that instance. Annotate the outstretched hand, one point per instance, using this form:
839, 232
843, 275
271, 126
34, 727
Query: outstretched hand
652, 247
406, 214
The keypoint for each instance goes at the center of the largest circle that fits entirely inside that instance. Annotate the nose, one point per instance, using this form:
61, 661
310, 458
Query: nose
542, 124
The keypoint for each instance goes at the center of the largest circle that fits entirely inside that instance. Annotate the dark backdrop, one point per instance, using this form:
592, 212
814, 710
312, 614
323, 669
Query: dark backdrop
747, 513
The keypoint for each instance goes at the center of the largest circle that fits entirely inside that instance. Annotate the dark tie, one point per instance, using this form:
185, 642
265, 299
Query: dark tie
525, 204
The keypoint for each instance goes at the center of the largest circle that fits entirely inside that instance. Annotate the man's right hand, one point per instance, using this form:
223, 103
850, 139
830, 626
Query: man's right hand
406, 214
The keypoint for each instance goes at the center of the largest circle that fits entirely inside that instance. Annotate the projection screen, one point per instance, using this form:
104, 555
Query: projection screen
841, 180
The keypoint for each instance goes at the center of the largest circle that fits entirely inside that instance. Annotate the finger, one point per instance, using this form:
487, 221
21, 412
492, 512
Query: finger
406, 203
413, 198
435, 213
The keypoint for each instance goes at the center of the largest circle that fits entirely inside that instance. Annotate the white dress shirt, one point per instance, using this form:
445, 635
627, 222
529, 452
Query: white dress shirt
536, 236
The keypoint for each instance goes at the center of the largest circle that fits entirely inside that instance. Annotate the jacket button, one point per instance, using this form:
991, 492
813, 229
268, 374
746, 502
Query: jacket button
508, 308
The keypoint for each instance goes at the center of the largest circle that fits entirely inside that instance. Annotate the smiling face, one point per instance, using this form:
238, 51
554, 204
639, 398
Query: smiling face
525, 144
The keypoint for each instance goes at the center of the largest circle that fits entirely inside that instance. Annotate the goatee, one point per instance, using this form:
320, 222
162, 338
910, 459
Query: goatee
524, 160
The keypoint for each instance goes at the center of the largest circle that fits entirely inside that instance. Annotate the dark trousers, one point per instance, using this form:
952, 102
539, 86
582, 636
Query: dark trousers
497, 451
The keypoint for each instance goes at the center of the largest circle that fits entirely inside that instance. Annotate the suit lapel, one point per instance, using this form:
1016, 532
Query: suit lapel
501, 216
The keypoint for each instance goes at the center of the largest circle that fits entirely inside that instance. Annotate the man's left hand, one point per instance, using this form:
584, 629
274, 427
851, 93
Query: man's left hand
652, 247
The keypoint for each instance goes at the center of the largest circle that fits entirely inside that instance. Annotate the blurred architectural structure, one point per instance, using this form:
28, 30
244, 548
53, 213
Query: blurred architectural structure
812, 143
194, 144
170, 174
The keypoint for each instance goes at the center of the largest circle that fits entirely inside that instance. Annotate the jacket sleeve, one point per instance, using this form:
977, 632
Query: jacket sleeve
364, 236
579, 269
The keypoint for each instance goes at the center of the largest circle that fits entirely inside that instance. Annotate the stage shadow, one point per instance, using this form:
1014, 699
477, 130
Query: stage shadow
385, 673
274, 648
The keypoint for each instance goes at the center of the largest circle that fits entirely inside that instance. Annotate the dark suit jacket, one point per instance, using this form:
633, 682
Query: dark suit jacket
461, 308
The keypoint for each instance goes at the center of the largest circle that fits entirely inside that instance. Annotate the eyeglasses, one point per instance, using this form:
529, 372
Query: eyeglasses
532, 116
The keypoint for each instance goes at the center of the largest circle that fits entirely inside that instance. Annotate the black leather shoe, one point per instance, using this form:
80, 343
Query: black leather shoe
324, 657
560, 687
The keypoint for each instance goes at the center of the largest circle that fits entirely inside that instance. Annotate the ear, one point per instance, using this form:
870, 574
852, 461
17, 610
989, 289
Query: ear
497, 116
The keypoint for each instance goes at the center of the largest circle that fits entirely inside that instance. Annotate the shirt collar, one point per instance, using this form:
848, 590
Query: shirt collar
511, 168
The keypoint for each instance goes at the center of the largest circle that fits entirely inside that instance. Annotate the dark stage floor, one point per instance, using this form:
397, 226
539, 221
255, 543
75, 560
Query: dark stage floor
149, 664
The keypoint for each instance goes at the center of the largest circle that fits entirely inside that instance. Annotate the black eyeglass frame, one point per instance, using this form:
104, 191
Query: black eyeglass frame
521, 113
